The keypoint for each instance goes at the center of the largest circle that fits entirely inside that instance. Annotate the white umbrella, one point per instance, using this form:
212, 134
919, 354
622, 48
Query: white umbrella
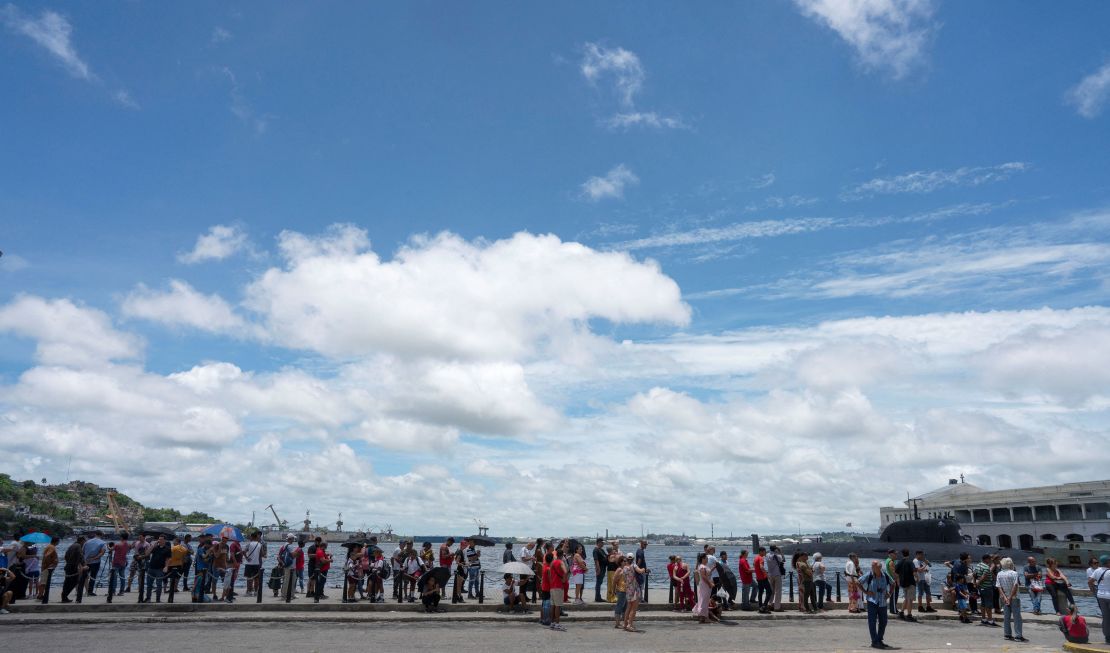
516, 569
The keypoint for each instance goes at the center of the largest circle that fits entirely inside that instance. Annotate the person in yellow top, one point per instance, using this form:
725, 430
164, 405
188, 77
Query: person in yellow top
176, 564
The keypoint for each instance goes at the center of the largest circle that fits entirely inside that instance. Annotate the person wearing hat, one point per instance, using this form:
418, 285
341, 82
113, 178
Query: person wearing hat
1100, 585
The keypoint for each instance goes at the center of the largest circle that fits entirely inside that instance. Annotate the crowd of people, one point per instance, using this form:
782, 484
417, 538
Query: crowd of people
893, 587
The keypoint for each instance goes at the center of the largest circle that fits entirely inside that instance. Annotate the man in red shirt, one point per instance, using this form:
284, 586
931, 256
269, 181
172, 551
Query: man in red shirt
745, 581
119, 564
558, 583
321, 567
764, 594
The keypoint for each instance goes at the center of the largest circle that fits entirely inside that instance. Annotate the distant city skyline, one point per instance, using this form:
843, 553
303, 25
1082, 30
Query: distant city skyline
771, 264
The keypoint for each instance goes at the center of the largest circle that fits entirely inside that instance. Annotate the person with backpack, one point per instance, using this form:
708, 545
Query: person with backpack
380, 570
776, 569
907, 583
252, 556
876, 587
287, 561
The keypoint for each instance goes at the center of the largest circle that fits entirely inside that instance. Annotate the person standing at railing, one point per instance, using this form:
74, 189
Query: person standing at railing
776, 569
824, 592
175, 566
141, 549
74, 566
641, 563
49, 564
601, 562
157, 567
762, 580
117, 578
253, 555
746, 580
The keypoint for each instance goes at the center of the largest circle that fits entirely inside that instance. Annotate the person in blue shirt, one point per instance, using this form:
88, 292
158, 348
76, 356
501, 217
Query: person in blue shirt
876, 591
94, 551
201, 582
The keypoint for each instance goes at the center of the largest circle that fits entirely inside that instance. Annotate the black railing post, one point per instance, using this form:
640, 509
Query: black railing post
482, 586
173, 585
258, 583
670, 593
82, 578
838, 587
647, 583
790, 578
142, 582
111, 583
290, 576
46, 590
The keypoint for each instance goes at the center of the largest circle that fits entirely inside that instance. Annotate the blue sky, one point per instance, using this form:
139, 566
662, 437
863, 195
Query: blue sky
571, 228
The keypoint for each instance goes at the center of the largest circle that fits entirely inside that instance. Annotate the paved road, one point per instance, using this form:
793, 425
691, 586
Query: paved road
811, 636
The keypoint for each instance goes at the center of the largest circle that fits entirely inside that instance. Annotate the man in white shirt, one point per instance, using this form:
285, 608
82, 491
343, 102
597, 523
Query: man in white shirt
924, 580
253, 553
1101, 581
711, 564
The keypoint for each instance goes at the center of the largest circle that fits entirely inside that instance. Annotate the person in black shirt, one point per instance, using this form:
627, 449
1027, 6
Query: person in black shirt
601, 564
74, 561
156, 569
508, 556
907, 581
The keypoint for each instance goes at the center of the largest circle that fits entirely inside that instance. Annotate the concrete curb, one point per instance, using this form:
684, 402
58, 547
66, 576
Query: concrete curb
1086, 648
363, 617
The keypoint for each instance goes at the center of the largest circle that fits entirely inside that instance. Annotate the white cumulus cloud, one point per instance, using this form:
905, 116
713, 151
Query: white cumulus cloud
1090, 95
446, 297
183, 305
219, 243
67, 333
887, 35
611, 186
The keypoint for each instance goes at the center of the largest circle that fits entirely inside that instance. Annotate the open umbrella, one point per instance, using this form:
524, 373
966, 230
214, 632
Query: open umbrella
480, 540
221, 530
155, 531
516, 569
441, 574
35, 538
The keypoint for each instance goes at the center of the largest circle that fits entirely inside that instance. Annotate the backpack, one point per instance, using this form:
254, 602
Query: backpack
385, 570
285, 557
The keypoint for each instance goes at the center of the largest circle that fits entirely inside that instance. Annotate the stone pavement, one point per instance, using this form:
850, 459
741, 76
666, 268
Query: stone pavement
785, 635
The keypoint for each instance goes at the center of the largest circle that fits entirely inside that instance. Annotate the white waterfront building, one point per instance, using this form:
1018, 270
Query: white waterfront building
1074, 512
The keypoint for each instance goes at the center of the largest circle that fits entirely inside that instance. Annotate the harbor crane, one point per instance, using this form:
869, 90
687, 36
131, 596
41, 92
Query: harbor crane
281, 523
114, 512
483, 530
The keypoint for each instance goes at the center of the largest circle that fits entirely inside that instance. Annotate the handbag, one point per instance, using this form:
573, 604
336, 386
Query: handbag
1036, 586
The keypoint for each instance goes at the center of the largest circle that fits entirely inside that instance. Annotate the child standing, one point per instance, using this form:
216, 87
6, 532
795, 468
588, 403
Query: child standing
962, 597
